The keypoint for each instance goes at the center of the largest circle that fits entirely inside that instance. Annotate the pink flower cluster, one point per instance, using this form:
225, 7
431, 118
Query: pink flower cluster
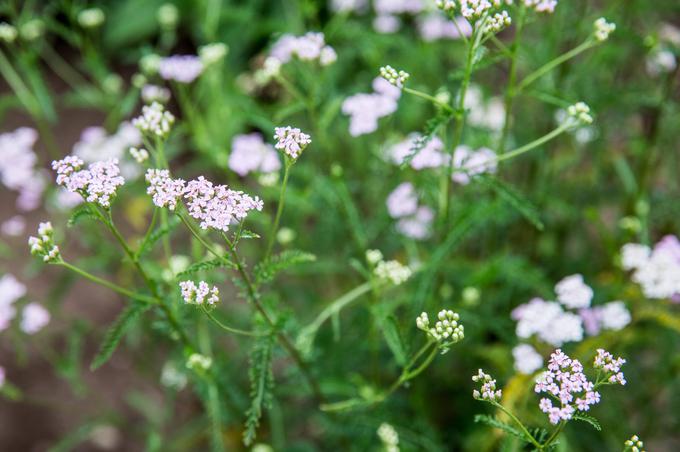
291, 140
414, 221
606, 362
10, 291
18, 169
180, 68
311, 46
431, 155
250, 153
436, 26
215, 206
566, 381
198, 294
364, 109
488, 390
98, 183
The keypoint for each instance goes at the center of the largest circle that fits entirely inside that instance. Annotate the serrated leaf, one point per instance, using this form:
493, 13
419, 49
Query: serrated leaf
207, 265
495, 423
510, 195
266, 271
589, 419
80, 213
261, 385
116, 332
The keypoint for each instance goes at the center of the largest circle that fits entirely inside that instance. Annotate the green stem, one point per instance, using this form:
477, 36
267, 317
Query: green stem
553, 436
203, 242
228, 328
279, 209
512, 80
110, 285
549, 66
428, 97
519, 423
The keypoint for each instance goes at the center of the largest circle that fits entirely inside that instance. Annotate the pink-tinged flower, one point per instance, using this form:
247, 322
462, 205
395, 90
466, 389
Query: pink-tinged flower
542, 6
606, 362
527, 359
98, 183
430, 155
217, 206
291, 141
488, 390
14, 226
250, 153
164, 190
198, 294
180, 68
365, 109
34, 318
548, 321
96, 144
18, 169
403, 201
417, 226
308, 47
435, 26
573, 293
468, 163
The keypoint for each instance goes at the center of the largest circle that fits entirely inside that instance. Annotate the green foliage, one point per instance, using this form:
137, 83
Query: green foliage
588, 419
507, 428
261, 385
116, 332
206, 266
267, 270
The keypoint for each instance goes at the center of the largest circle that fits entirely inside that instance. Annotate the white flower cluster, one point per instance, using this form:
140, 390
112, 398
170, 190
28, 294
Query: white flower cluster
98, 183
484, 113
414, 220
212, 53
656, 270
498, 22
292, 141
472, 10
164, 190
634, 444
155, 120
364, 109
468, 163
34, 318
396, 78
436, 25
140, 155
446, 331
527, 359
200, 362
249, 153
541, 6
488, 390
180, 68
198, 294
43, 245
430, 155
309, 47
91, 17
389, 437
580, 112
392, 271
154, 93
603, 29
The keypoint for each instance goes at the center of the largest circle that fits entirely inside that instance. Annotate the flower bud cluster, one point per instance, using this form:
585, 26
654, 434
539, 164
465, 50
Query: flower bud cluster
199, 362
392, 271
154, 120
396, 78
488, 390
8, 33
43, 245
603, 29
140, 155
193, 294
498, 22
446, 331
91, 17
580, 111
635, 444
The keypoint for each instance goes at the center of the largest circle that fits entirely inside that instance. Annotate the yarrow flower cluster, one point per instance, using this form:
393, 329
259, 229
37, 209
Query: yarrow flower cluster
580, 113
43, 245
34, 318
392, 271
430, 155
498, 22
396, 78
415, 221
656, 270
250, 153
291, 141
155, 120
488, 391
527, 359
446, 331
472, 10
365, 109
180, 68
309, 47
606, 362
573, 292
18, 167
565, 381
603, 29
98, 183
436, 25
199, 294
468, 163
155, 93
634, 444
165, 191
96, 144
10, 291
389, 437
541, 6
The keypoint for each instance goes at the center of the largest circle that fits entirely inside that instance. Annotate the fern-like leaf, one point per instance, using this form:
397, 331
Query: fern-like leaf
267, 270
80, 213
495, 423
589, 419
206, 265
261, 386
116, 332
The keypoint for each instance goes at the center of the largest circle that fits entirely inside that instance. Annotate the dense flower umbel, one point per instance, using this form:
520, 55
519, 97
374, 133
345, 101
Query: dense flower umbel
396, 78
447, 331
154, 120
164, 190
291, 141
634, 444
250, 153
488, 390
365, 109
217, 206
98, 183
43, 245
657, 270
606, 362
199, 294
180, 68
392, 271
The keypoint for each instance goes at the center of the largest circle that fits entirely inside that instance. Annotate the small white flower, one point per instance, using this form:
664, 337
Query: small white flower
43, 245
603, 29
91, 17
392, 271
373, 256
581, 113
199, 362
155, 120
389, 437
193, 294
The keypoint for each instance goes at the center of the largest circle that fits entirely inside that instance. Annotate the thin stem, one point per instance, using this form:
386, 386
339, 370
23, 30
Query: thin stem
229, 328
512, 79
519, 423
540, 72
428, 97
279, 209
108, 284
553, 436
203, 242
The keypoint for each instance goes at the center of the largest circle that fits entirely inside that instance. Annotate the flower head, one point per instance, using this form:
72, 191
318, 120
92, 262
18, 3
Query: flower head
389, 437
164, 190
446, 331
396, 78
43, 245
541, 6
140, 155
155, 120
155, 93
250, 153
308, 47
603, 29
527, 359
291, 141
606, 362
34, 318
580, 112
488, 390
180, 68
199, 362
392, 271
573, 293
199, 294
91, 17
